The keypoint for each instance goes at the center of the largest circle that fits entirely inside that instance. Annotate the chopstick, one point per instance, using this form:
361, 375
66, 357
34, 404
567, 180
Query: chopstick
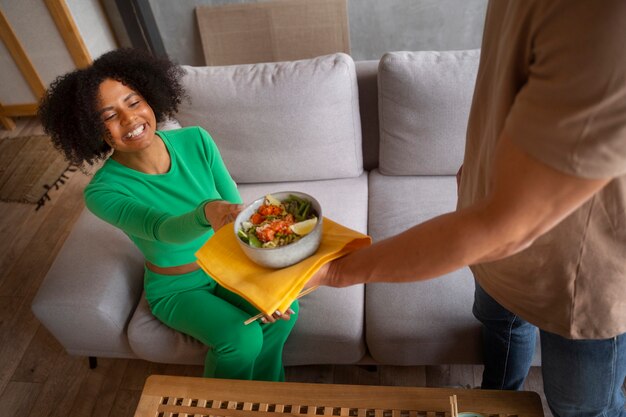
454, 406
258, 316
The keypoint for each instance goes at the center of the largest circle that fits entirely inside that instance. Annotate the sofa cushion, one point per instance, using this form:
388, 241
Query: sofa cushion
168, 124
329, 328
420, 323
399, 202
281, 121
423, 323
424, 100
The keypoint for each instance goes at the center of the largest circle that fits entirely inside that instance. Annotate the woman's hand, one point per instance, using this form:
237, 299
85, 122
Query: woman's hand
219, 213
277, 316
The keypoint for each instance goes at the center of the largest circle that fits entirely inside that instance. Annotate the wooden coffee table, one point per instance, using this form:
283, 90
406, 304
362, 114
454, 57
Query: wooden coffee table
168, 396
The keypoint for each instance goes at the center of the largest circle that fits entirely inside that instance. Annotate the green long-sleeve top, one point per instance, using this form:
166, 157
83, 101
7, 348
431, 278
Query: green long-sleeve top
163, 214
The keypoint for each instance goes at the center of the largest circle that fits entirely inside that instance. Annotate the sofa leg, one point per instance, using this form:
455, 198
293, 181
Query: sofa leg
93, 362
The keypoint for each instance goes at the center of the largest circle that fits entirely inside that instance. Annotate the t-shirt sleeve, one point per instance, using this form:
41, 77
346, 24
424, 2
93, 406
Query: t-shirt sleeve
128, 213
570, 113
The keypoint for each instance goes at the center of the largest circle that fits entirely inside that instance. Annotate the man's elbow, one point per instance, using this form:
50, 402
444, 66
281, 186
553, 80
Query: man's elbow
510, 248
508, 241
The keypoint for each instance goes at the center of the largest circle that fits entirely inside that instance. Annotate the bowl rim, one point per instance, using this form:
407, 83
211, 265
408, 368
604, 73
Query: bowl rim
238, 221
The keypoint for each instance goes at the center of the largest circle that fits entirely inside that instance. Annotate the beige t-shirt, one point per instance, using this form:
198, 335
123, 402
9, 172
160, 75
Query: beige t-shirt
552, 75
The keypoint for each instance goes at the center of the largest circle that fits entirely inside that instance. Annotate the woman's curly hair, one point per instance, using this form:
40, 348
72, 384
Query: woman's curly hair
69, 108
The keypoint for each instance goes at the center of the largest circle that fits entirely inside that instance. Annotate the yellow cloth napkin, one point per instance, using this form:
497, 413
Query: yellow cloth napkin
272, 289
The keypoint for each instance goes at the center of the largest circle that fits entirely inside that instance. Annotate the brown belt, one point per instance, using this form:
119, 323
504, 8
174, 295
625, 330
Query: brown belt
173, 270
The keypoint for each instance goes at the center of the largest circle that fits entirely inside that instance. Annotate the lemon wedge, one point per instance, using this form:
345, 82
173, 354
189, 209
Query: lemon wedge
271, 200
304, 227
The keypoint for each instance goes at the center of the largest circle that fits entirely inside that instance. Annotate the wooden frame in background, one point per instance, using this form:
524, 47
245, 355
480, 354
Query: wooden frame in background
68, 30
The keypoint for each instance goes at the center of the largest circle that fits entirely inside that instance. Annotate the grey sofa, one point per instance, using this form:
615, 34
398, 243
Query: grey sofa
376, 142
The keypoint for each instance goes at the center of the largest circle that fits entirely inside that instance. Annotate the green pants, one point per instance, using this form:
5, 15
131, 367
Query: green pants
196, 305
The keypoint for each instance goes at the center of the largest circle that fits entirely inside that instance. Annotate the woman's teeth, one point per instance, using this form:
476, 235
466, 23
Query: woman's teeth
135, 132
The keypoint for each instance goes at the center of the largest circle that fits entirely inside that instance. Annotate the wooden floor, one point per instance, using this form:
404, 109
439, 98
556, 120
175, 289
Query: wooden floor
37, 377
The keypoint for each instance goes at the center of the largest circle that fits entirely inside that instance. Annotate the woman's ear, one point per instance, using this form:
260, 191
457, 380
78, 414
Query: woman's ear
110, 143
106, 138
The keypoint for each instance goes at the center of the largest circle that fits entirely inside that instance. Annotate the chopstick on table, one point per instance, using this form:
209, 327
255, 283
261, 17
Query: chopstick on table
454, 406
258, 316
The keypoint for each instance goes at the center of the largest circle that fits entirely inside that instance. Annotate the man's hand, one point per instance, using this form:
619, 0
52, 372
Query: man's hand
319, 278
219, 213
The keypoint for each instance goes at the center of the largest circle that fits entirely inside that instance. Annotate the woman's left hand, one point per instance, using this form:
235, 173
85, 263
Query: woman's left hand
219, 213
277, 316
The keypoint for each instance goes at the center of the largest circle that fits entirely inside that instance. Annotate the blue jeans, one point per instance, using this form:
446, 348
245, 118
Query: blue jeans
580, 377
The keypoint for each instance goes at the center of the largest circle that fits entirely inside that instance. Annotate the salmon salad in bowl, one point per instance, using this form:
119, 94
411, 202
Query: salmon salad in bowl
280, 229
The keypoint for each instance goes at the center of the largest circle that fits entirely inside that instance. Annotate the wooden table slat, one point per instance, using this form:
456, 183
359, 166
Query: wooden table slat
232, 398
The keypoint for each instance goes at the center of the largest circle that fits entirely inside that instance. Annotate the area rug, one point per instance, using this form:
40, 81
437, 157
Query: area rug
30, 167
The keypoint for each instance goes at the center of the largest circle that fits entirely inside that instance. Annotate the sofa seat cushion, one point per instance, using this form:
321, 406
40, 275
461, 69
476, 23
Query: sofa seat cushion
399, 202
420, 323
329, 328
424, 100
423, 323
280, 121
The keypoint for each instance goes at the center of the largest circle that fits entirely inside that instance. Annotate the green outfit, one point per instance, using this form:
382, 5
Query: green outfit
164, 216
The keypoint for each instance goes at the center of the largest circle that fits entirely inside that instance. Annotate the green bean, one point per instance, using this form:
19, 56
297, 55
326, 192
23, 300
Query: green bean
254, 241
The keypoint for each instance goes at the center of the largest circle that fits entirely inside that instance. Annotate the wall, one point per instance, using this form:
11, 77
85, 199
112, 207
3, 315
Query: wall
93, 26
376, 26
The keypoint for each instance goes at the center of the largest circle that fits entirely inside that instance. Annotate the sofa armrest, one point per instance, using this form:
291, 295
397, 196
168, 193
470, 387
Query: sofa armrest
91, 290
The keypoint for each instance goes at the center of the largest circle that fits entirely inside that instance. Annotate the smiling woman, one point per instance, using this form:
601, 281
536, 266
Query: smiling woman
169, 191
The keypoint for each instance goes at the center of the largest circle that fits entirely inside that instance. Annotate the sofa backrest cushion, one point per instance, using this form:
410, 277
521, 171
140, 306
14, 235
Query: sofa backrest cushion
280, 121
424, 100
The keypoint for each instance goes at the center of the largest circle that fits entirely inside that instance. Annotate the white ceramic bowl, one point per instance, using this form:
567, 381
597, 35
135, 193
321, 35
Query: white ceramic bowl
287, 255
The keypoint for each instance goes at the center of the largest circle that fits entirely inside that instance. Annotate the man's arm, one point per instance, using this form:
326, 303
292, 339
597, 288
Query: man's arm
527, 199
